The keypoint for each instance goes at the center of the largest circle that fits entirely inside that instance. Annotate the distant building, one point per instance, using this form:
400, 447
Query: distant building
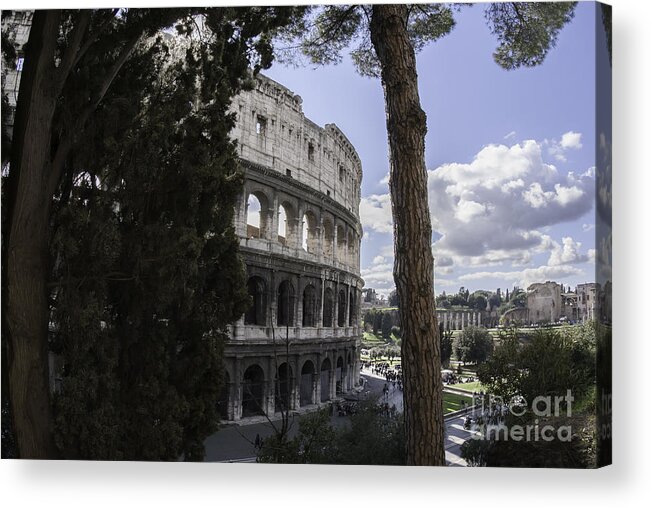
544, 302
369, 296
587, 301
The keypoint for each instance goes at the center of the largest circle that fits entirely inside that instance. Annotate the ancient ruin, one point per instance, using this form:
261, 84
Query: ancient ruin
299, 229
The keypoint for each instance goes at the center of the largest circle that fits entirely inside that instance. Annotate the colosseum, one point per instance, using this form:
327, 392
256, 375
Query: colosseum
298, 345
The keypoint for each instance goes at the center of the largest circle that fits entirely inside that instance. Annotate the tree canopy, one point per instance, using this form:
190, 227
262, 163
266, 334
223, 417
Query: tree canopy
130, 234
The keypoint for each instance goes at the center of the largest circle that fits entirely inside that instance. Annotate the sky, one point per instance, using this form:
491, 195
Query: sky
510, 156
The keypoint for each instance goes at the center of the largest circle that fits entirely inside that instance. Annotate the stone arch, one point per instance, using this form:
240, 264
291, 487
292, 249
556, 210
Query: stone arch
285, 302
309, 306
349, 371
328, 238
340, 375
328, 307
341, 308
257, 205
352, 308
326, 373
257, 312
307, 383
286, 223
253, 391
310, 236
350, 248
283, 387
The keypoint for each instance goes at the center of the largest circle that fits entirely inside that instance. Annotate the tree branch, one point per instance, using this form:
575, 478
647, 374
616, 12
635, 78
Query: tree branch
71, 53
69, 140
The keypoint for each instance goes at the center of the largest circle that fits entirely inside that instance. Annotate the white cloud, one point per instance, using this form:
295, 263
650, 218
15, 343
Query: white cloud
571, 139
380, 274
510, 135
494, 209
526, 277
375, 213
568, 253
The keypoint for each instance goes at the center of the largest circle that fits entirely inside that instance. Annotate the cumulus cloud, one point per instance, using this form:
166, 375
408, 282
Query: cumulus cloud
568, 253
569, 141
375, 213
493, 209
526, 277
380, 274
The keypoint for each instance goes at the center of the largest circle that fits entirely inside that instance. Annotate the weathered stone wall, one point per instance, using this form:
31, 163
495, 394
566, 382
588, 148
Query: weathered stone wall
302, 260
544, 302
273, 131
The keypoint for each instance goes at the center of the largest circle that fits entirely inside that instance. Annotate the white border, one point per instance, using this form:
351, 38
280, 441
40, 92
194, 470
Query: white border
71, 484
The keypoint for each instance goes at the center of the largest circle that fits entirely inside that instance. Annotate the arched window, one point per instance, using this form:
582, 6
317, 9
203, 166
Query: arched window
307, 384
283, 387
341, 244
257, 312
328, 307
253, 391
286, 224
309, 306
285, 311
325, 373
310, 240
341, 308
352, 309
256, 208
350, 254
328, 238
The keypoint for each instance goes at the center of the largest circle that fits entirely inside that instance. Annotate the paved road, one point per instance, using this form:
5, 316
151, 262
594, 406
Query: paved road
235, 443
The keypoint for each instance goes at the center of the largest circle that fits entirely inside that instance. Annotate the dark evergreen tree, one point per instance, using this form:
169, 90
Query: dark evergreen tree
474, 345
387, 324
134, 207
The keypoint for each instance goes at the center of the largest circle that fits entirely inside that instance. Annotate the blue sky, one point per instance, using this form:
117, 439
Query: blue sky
510, 156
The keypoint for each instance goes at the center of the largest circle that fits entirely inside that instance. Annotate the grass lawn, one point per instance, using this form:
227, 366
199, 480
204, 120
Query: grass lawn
453, 402
370, 339
475, 386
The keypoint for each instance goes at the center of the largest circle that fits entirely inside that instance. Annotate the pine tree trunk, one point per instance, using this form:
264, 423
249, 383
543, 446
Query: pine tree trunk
27, 248
414, 264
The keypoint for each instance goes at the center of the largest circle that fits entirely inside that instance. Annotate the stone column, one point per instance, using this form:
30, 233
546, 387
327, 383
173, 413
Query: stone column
317, 378
347, 320
237, 392
272, 306
298, 307
333, 378
230, 404
269, 406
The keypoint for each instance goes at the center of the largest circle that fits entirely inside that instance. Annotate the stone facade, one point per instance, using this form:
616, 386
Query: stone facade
587, 296
544, 302
299, 229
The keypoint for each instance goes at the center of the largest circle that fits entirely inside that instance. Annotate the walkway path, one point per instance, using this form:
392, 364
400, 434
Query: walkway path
234, 443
